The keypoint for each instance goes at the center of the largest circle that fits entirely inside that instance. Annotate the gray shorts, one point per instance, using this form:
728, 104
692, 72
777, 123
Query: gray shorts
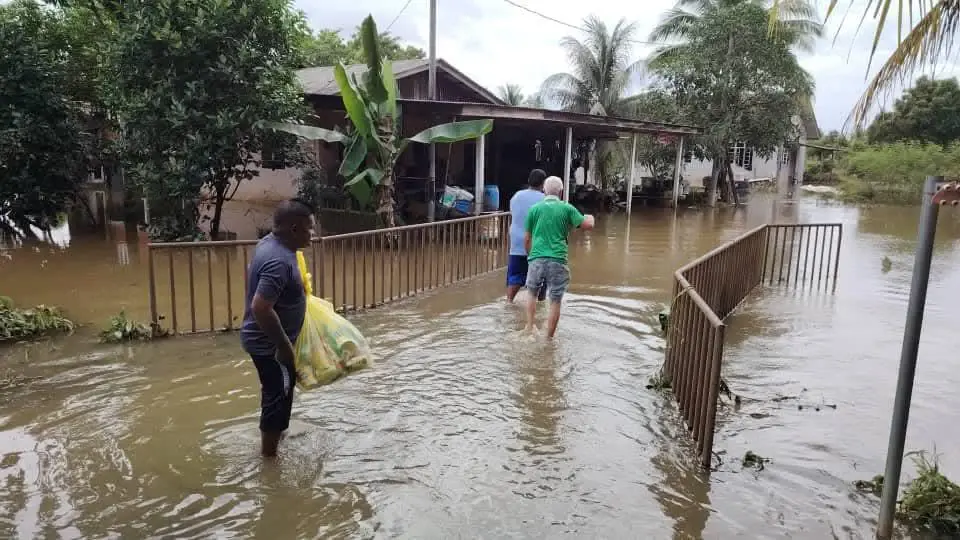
554, 273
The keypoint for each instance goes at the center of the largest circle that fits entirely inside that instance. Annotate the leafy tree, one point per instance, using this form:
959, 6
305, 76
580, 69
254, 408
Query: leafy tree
601, 69
733, 77
374, 144
188, 80
796, 24
511, 94
656, 104
327, 48
42, 155
929, 112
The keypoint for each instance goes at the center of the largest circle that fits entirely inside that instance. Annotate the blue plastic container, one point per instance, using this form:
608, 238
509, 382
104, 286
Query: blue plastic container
491, 198
463, 206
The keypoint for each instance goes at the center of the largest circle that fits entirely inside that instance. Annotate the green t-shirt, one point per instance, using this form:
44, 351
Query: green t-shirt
549, 222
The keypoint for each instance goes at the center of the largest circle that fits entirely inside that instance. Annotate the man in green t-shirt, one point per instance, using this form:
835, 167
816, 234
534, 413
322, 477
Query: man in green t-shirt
545, 237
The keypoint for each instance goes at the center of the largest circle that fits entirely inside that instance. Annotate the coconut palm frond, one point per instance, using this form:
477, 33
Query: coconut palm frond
928, 43
511, 94
567, 91
601, 68
676, 23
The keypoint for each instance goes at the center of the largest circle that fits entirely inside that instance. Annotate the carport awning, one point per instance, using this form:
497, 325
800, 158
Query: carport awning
584, 125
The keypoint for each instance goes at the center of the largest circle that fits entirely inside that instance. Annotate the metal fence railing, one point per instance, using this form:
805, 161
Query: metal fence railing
709, 289
200, 286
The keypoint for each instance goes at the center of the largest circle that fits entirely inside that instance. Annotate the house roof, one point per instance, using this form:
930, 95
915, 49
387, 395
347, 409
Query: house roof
320, 81
584, 125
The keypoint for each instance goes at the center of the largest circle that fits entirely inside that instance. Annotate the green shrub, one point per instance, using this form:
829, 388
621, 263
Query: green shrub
18, 324
894, 173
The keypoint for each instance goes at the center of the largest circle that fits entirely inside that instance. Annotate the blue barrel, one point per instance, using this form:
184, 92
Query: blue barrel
491, 198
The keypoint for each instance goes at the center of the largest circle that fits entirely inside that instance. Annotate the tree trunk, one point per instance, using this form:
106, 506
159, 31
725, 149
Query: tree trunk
731, 186
217, 214
386, 206
712, 184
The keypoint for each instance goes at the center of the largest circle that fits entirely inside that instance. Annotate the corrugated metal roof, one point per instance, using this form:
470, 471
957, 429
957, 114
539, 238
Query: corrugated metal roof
320, 80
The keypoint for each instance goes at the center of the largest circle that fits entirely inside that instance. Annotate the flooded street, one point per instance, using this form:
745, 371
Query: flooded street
465, 429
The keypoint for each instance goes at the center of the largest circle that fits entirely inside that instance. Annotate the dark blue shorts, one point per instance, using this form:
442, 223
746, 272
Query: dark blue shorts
517, 274
276, 393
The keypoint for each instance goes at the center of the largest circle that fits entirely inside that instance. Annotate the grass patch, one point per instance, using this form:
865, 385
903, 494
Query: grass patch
930, 502
122, 329
18, 324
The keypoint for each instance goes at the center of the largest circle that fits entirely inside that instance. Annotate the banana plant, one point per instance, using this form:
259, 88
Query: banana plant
374, 143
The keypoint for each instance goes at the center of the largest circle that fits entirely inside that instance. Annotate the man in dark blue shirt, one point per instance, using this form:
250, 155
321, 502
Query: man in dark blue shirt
275, 306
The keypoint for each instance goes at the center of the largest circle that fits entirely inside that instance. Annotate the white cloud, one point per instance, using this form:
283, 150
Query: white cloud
497, 43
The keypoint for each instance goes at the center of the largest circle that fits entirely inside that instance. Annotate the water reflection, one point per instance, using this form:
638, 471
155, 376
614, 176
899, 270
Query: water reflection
682, 490
462, 429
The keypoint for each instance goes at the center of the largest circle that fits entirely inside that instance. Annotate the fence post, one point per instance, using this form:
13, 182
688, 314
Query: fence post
908, 356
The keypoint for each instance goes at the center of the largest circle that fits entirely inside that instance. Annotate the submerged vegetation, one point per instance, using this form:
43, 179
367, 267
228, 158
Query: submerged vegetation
123, 329
19, 324
930, 502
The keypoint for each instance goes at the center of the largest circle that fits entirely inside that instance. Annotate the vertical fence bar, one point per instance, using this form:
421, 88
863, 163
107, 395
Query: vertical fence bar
210, 286
230, 293
836, 259
363, 250
190, 280
173, 294
154, 316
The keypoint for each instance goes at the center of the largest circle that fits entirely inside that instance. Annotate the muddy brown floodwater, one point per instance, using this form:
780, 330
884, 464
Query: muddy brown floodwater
465, 429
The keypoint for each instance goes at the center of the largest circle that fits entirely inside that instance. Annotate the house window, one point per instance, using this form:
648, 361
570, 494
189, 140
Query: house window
742, 156
784, 156
96, 175
688, 156
273, 158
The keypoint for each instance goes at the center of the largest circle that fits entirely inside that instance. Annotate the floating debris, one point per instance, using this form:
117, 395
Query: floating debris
754, 461
659, 382
664, 318
886, 264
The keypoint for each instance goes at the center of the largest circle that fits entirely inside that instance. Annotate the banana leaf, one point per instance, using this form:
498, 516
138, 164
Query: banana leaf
453, 132
311, 133
352, 102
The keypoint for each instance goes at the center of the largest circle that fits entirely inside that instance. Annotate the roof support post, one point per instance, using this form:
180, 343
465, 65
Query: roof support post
676, 172
567, 159
478, 181
633, 173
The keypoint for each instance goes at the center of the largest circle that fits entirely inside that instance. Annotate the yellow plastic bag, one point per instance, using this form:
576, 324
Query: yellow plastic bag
328, 346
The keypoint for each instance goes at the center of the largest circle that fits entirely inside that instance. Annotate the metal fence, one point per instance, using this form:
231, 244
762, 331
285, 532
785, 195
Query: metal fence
709, 289
200, 286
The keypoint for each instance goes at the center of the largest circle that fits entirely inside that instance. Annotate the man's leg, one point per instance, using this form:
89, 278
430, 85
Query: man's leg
534, 278
557, 277
276, 402
516, 275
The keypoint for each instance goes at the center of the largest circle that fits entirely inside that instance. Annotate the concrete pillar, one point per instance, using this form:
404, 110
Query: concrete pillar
676, 173
633, 173
567, 160
479, 176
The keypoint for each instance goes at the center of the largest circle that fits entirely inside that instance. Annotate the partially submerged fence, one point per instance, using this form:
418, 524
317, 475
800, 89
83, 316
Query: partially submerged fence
708, 289
200, 286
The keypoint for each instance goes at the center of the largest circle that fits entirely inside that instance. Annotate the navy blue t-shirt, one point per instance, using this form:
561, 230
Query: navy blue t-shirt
274, 274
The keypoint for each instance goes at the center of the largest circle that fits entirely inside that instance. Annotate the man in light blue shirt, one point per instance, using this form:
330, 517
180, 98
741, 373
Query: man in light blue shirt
520, 204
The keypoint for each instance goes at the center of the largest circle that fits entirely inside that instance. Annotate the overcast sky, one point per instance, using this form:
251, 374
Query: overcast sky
495, 43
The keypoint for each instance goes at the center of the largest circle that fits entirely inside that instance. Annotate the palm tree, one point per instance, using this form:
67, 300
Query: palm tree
602, 69
795, 20
931, 27
511, 94
534, 101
